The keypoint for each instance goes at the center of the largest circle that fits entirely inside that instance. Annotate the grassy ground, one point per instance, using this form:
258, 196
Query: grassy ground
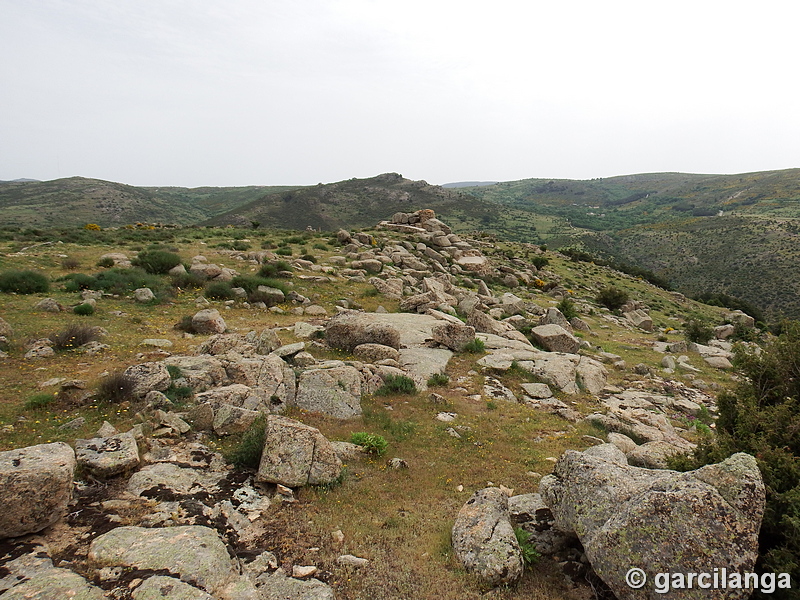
399, 519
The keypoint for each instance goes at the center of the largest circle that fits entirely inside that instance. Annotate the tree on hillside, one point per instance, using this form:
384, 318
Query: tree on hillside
761, 416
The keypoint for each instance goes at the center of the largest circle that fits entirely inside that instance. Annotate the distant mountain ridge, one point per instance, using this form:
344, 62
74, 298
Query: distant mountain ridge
734, 234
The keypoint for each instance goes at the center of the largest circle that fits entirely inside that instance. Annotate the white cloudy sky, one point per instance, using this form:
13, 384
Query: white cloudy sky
197, 92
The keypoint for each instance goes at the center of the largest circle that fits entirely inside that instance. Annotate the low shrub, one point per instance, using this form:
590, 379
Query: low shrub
75, 282
70, 263
438, 380
397, 384
284, 251
612, 298
156, 262
105, 262
185, 325
320, 246
274, 268
188, 280
371, 442
23, 282
84, 309
698, 332
247, 454
219, 290
116, 388
567, 308
39, 401
309, 258
73, 337
476, 346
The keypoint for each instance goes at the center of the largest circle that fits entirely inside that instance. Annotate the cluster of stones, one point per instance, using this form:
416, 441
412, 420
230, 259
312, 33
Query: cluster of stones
597, 510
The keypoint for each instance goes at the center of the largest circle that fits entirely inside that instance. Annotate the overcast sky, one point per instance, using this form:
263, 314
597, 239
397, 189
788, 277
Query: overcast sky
241, 92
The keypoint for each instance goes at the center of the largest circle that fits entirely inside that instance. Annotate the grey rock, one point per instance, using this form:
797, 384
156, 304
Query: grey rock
658, 520
537, 390
374, 352
230, 419
555, 338
108, 456
180, 481
349, 329
529, 512
208, 321
335, 392
454, 336
296, 454
200, 372
143, 295
35, 487
484, 540
160, 587
194, 554
54, 584
49, 305
280, 587
148, 376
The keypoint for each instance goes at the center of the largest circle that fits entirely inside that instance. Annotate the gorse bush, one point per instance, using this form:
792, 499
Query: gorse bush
438, 380
371, 442
247, 454
397, 384
156, 262
219, 290
84, 309
761, 417
567, 308
23, 282
74, 336
612, 298
476, 346
698, 332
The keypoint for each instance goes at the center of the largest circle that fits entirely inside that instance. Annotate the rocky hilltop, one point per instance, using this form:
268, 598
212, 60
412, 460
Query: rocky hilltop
229, 489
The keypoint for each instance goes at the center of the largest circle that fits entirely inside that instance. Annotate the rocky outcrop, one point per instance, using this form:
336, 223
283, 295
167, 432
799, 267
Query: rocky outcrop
335, 391
105, 457
349, 329
296, 455
484, 540
454, 336
35, 487
554, 338
208, 321
193, 554
656, 520
147, 377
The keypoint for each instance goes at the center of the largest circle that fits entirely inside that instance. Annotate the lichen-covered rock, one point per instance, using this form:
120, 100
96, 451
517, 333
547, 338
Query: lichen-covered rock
160, 587
335, 392
374, 352
555, 338
201, 372
35, 487
54, 584
453, 335
296, 454
109, 456
193, 553
278, 586
484, 540
658, 520
270, 373
349, 329
148, 376
208, 321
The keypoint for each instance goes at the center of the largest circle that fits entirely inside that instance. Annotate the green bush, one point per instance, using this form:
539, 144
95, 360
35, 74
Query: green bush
156, 262
540, 262
247, 454
567, 308
23, 282
121, 281
438, 380
106, 262
397, 384
188, 280
761, 416
476, 346
73, 337
75, 282
219, 290
530, 555
274, 268
612, 298
284, 251
84, 310
698, 332
39, 401
371, 442
320, 246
